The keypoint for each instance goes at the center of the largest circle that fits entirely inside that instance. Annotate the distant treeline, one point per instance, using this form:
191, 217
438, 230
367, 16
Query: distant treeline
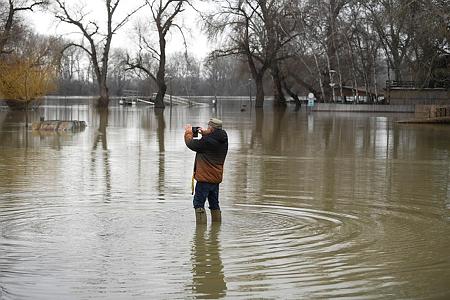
264, 47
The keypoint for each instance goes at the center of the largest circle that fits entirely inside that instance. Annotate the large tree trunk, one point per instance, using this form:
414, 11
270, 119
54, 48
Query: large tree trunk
103, 100
259, 97
160, 75
159, 100
162, 88
258, 76
278, 96
90, 31
291, 93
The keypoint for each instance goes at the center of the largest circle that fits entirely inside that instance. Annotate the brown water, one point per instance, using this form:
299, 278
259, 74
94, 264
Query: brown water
318, 205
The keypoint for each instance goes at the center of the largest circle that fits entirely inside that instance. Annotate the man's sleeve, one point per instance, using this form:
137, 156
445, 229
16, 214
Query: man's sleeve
193, 144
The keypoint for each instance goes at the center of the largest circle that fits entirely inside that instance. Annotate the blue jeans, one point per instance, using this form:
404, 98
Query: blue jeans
205, 190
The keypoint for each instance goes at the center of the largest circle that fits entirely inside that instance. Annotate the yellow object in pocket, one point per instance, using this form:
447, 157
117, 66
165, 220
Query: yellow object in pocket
192, 185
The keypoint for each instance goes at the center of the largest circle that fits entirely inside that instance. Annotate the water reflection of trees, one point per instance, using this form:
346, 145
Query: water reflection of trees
323, 153
208, 279
159, 114
101, 140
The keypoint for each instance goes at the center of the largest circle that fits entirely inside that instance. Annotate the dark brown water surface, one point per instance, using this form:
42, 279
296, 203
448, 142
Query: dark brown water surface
315, 205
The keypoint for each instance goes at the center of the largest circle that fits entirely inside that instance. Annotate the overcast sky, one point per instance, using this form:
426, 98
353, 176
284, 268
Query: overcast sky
45, 23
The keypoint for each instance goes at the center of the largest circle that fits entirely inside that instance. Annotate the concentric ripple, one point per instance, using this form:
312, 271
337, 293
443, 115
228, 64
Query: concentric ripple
326, 254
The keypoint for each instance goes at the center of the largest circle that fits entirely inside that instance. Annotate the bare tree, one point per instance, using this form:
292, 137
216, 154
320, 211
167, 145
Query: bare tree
430, 47
98, 43
280, 23
242, 37
391, 21
257, 30
9, 12
163, 14
321, 21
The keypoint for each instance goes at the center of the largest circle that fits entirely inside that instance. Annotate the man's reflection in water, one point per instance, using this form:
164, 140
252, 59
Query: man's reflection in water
208, 281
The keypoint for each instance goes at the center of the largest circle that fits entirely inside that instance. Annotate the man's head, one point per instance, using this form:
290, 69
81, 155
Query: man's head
215, 123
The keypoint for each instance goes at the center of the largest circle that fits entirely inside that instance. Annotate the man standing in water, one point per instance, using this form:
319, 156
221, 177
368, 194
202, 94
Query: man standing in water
211, 151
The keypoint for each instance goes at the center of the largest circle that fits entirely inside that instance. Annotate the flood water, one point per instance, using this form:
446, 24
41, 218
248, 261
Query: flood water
314, 205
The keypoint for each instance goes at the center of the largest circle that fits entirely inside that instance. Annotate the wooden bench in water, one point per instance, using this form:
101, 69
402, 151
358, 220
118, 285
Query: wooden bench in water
57, 125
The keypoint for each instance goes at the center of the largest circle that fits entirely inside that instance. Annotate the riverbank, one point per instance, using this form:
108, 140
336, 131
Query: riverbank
363, 108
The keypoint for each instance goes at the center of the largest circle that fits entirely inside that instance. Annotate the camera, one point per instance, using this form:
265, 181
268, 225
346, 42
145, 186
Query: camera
195, 131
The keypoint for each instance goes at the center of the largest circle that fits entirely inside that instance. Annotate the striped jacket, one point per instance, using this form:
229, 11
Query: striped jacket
211, 151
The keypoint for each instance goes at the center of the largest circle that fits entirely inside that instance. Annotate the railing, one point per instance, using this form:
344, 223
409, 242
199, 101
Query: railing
128, 93
406, 84
442, 111
417, 84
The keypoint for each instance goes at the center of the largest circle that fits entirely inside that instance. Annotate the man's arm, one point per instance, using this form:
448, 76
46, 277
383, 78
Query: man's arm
191, 143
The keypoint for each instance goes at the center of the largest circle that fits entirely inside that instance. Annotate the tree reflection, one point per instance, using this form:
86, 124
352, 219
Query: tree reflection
278, 127
101, 139
14, 136
208, 280
258, 129
100, 136
159, 114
